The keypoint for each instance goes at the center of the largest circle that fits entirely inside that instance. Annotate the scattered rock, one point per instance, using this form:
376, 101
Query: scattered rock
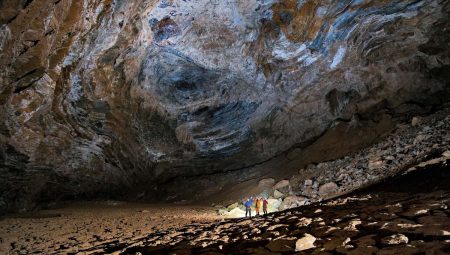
375, 164
352, 225
292, 201
303, 222
308, 182
395, 239
305, 243
416, 121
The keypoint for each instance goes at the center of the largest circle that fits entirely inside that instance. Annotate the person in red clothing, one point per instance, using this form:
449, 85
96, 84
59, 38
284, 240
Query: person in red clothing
265, 203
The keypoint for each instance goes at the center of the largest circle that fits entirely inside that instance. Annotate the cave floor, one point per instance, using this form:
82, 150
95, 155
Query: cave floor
408, 214
81, 226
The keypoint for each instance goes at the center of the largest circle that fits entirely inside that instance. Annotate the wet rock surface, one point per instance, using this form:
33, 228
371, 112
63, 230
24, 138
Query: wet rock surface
152, 99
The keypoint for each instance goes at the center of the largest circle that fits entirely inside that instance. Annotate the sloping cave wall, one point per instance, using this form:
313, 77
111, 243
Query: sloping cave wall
146, 99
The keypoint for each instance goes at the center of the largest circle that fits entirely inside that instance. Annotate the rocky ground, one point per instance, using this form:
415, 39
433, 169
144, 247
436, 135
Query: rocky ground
81, 226
407, 214
423, 141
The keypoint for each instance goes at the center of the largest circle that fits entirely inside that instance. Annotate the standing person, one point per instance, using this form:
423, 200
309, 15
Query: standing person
248, 208
265, 203
257, 205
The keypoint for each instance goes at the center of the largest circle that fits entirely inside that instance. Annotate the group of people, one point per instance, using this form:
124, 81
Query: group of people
258, 203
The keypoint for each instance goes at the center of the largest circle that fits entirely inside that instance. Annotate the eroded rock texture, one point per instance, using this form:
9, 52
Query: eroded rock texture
167, 98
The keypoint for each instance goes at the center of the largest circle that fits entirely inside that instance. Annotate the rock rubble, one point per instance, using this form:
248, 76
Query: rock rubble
405, 149
389, 218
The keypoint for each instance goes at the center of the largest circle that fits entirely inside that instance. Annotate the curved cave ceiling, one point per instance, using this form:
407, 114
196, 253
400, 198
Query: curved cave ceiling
106, 96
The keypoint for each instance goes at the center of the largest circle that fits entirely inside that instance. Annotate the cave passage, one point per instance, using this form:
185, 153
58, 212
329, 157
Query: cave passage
156, 126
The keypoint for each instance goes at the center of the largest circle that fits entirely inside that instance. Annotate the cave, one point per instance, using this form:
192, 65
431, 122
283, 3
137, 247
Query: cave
167, 116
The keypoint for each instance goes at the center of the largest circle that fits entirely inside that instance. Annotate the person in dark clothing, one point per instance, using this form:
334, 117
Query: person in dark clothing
248, 207
265, 203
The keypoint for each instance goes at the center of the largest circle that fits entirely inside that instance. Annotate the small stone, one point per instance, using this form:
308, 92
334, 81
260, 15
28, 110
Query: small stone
303, 222
305, 243
416, 121
421, 212
395, 239
352, 225
308, 182
420, 138
390, 158
375, 164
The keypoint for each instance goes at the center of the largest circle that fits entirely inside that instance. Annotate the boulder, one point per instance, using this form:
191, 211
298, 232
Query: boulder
309, 191
328, 189
305, 243
235, 213
232, 206
273, 204
277, 194
282, 186
269, 182
296, 183
292, 201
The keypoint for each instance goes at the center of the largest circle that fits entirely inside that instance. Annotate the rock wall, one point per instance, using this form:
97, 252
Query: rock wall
163, 99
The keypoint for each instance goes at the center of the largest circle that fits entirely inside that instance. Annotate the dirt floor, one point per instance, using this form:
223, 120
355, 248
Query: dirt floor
82, 226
